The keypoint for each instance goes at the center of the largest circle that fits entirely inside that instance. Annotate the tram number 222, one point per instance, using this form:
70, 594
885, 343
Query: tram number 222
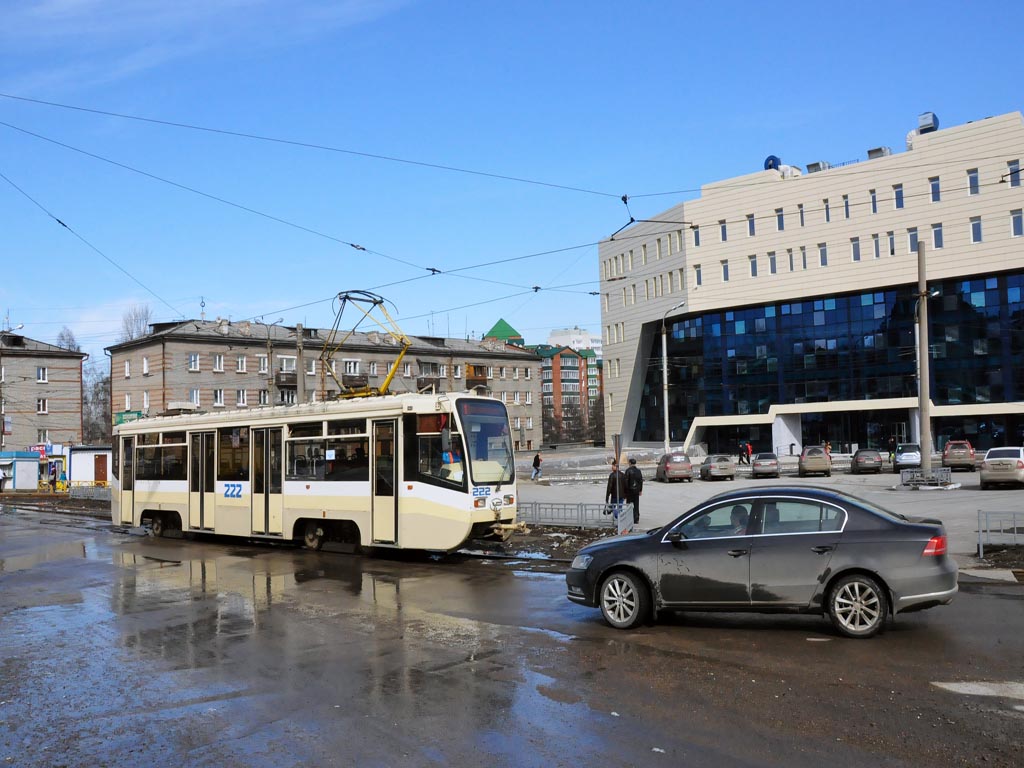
232, 490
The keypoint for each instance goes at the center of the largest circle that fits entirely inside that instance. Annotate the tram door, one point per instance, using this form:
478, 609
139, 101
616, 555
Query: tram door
385, 498
127, 480
267, 503
202, 496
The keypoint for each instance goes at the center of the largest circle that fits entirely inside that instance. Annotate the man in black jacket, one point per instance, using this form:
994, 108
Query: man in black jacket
634, 487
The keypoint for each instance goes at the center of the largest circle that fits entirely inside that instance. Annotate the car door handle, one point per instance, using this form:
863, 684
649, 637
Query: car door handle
821, 550
738, 552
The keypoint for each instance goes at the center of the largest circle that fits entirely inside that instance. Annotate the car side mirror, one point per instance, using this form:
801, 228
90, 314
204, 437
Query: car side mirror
677, 538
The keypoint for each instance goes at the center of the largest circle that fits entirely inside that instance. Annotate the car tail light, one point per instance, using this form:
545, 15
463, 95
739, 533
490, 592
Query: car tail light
972, 453
1020, 464
936, 546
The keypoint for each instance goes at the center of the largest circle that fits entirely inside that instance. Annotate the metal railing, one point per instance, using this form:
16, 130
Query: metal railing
582, 515
995, 524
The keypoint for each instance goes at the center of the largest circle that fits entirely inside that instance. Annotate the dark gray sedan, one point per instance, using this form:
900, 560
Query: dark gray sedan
795, 550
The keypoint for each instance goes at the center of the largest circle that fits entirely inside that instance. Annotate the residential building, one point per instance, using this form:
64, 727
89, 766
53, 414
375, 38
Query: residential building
564, 390
799, 292
210, 365
577, 338
40, 393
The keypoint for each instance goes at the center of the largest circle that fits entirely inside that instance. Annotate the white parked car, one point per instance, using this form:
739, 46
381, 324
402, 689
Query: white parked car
1002, 465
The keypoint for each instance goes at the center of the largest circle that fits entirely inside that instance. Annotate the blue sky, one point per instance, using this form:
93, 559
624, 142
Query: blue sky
611, 98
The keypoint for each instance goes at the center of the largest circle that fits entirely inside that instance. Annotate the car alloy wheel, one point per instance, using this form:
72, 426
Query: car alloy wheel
857, 606
624, 601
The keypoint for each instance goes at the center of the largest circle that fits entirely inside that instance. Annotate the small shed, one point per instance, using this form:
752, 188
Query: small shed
89, 465
19, 471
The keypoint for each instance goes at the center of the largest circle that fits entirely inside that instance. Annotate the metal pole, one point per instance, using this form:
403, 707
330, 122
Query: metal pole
664, 373
300, 367
923, 390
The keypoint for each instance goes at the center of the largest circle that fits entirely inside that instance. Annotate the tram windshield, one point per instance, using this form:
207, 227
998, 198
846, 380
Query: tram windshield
488, 442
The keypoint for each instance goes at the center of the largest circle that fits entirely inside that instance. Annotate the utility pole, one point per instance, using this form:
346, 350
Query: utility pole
924, 382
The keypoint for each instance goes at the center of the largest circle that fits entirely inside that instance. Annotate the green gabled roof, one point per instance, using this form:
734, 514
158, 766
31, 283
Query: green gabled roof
503, 331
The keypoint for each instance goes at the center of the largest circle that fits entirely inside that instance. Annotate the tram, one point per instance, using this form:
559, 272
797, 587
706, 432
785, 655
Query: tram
410, 471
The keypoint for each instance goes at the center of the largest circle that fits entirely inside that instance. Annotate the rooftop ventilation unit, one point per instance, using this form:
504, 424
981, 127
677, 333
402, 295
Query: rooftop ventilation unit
821, 165
877, 152
772, 163
927, 122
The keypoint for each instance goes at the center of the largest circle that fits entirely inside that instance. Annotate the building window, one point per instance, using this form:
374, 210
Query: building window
350, 366
1013, 171
874, 200
127, 401
725, 270
823, 254
855, 248
241, 398
502, 371
750, 225
406, 370
657, 249
515, 398
976, 229
42, 405
529, 420
311, 367
457, 371
876, 246
127, 369
722, 229
771, 262
145, 366
264, 397
789, 254
240, 363
803, 257
193, 396
632, 294
753, 266
933, 182
218, 398
846, 206
800, 210
1017, 223
529, 397
42, 436
193, 361
828, 210
912, 240
42, 375
287, 397
972, 182
218, 363
897, 195
527, 373
780, 220
936, 236
287, 364
892, 242
145, 400
696, 275
696, 236
261, 364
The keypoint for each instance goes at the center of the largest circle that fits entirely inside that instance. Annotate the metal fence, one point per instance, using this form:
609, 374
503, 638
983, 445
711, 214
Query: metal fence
1001, 524
582, 515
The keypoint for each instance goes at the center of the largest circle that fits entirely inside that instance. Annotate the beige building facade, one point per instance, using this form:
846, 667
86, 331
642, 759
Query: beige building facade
788, 298
40, 393
213, 365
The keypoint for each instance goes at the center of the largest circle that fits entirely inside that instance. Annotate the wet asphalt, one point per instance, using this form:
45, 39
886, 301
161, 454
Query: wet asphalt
119, 649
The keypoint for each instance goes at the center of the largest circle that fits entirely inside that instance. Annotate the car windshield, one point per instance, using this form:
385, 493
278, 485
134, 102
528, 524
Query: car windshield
488, 442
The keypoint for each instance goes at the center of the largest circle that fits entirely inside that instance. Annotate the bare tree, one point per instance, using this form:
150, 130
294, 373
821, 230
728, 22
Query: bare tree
66, 339
96, 415
135, 322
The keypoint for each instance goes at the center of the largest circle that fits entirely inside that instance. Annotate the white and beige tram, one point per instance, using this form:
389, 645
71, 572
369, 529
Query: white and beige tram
404, 471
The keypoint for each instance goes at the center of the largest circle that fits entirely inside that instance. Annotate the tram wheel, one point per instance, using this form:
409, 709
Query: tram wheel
158, 525
313, 536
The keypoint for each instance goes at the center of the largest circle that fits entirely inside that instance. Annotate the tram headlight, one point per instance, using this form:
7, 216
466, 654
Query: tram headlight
580, 562
510, 500
480, 503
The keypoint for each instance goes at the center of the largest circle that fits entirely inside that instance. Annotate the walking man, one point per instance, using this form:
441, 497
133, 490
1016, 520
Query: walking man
615, 489
634, 487
536, 467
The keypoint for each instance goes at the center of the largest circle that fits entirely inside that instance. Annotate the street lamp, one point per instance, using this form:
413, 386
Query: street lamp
664, 370
923, 363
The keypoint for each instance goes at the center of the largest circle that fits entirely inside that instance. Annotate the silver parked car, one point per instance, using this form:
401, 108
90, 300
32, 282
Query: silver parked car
1002, 465
764, 465
718, 467
908, 456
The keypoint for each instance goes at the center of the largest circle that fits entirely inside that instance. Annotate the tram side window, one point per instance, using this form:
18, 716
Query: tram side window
433, 464
173, 438
115, 464
348, 460
148, 438
165, 462
233, 454
306, 460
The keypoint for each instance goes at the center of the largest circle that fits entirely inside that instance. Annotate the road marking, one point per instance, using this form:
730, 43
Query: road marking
1005, 690
819, 639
